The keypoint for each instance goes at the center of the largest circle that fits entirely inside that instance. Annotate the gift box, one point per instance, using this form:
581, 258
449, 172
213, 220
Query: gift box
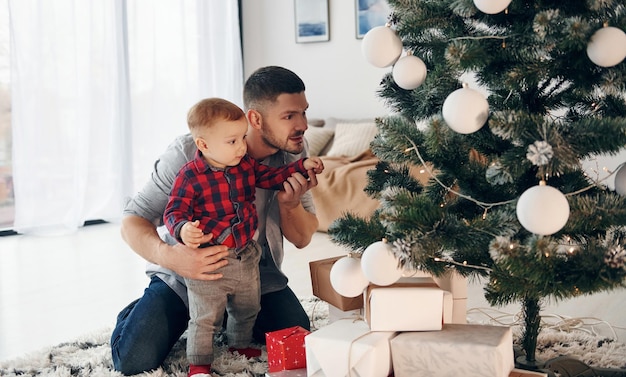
456, 284
285, 349
335, 314
320, 282
455, 350
526, 373
347, 347
411, 304
288, 373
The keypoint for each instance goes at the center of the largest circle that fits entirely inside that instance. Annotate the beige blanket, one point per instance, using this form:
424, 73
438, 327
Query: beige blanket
340, 188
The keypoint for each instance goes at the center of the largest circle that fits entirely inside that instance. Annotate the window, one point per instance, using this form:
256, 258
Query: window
7, 209
111, 82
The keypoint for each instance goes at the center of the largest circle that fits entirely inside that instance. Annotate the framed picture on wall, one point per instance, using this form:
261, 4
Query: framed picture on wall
312, 21
369, 14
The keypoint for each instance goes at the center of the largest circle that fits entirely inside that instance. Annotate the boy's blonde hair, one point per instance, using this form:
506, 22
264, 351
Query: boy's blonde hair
210, 110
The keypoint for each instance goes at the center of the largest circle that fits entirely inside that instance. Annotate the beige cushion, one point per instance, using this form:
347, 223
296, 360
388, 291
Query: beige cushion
333, 122
318, 139
352, 138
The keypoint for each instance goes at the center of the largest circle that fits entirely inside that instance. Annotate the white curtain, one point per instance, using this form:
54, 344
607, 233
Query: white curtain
99, 89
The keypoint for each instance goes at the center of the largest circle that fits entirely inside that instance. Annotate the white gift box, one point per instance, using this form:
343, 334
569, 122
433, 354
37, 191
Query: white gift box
456, 350
412, 304
457, 285
288, 373
348, 345
335, 314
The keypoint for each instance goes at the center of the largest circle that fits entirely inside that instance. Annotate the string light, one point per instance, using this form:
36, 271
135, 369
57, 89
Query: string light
486, 205
449, 189
478, 38
464, 264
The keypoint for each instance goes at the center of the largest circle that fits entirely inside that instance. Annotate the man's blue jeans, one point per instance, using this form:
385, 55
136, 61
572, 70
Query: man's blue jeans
148, 328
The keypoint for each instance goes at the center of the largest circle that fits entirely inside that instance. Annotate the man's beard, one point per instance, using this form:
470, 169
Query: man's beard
272, 141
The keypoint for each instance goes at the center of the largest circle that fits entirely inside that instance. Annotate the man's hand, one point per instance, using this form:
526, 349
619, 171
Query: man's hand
199, 264
202, 264
297, 224
293, 189
195, 263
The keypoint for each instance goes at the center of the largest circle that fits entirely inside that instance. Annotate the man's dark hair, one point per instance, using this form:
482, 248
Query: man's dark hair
267, 83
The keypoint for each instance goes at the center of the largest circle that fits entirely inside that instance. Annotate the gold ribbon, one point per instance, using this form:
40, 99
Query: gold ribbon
356, 318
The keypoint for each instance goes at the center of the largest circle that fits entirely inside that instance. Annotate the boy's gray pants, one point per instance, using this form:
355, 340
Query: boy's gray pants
238, 291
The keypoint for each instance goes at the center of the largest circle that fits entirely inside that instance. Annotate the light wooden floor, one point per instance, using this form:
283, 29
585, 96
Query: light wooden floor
55, 289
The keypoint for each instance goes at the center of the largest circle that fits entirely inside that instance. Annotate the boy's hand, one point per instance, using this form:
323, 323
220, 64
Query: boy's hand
192, 235
315, 164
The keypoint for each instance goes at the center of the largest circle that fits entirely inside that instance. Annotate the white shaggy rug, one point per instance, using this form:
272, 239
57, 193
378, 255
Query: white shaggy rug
90, 355
589, 340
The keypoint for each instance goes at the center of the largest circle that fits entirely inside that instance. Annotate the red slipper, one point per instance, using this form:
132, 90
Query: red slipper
199, 369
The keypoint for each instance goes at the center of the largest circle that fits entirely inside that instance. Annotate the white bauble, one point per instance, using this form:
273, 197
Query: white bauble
409, 72
380, 265
347, 278
542, 210
620, 180
381, 46
465, 110
491, 6
607, 47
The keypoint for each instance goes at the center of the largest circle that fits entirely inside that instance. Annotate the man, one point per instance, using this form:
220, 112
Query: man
147, 328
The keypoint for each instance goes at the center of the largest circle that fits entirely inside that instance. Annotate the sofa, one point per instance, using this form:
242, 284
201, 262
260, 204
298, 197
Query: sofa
343, 145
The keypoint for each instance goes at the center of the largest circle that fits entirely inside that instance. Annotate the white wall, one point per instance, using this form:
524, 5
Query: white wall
340, 83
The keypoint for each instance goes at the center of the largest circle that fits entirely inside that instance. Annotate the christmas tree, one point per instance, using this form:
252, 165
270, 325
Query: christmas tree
500, 102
